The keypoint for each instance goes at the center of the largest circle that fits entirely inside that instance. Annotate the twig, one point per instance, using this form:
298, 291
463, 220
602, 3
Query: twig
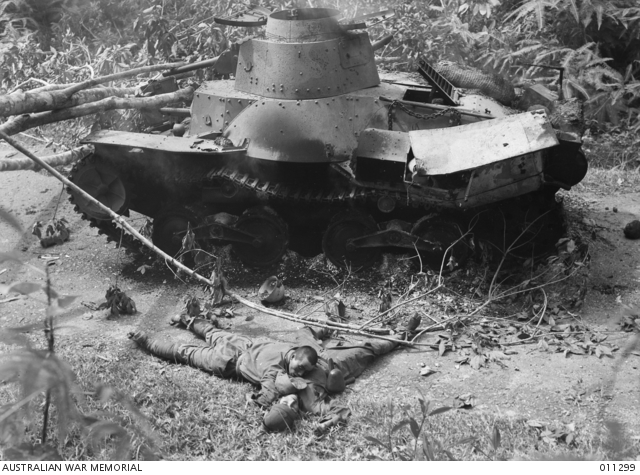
15, 407
511, 247
429, 316
434, 327
119, 220
542, 312
10, 299
26, 82
48, 332
399, 305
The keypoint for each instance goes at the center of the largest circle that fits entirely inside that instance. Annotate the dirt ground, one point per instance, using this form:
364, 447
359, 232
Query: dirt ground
533, 384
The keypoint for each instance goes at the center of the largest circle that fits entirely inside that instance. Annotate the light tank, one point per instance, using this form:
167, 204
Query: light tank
305, 147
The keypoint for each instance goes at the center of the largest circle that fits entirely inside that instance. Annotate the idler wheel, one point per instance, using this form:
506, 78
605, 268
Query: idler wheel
169, 227
271, 237
101, 181
445, 233
343, 227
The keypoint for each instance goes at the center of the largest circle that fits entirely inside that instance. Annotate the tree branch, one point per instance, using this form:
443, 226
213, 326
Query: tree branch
56, 160
29, 102
24, 122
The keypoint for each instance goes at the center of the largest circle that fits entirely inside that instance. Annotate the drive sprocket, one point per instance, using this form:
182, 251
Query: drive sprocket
101, 181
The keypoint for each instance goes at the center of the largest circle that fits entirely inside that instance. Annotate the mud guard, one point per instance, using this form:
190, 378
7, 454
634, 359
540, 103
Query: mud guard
458, 149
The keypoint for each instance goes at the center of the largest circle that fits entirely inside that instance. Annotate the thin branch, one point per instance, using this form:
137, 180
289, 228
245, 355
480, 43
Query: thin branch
15, 407
56, 160
398, 305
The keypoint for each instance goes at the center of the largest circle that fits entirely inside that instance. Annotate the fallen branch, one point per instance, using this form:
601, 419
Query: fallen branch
57, 160
119, 220
30, 102
25, 122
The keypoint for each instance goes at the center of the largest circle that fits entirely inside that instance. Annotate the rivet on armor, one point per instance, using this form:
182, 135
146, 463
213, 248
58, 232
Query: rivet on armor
297, 90
300, 73
307, 89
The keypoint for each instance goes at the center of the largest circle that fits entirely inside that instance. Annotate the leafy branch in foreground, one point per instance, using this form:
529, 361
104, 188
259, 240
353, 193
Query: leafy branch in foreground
37, 372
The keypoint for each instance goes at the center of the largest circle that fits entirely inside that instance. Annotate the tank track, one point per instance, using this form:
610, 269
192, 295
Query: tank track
104, 227
299, 194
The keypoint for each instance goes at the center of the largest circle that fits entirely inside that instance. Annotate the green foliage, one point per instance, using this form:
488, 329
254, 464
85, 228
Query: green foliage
37, 373
425, 446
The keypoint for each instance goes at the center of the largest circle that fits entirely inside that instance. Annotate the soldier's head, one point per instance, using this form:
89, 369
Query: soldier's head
303, 360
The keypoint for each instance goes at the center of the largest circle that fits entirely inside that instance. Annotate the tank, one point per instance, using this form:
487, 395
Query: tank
309, 147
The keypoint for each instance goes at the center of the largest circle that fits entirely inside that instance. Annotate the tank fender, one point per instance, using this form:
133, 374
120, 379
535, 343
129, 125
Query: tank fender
456, 149
140, 143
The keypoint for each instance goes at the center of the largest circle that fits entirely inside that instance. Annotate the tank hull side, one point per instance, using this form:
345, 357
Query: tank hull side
315, 131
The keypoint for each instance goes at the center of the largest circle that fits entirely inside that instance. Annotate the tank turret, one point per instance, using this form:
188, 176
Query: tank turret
306, 54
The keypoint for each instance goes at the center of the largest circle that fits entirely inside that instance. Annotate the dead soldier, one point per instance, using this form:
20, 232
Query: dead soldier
301, 375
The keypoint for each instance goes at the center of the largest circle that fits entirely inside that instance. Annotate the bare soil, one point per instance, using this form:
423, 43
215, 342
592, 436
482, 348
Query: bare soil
532, 385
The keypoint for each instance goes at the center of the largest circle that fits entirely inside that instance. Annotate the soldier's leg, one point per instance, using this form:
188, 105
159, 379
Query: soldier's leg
352, 360
162, 348
219, 359
214, 336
